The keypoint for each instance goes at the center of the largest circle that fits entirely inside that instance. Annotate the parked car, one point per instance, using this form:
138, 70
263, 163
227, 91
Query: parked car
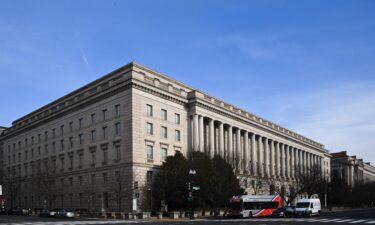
53, 212
64, 213
44, 213
19, 211
308, 207
283, 212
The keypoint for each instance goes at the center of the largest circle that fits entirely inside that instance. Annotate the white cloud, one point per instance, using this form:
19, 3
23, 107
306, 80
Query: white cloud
342, 118
84, 59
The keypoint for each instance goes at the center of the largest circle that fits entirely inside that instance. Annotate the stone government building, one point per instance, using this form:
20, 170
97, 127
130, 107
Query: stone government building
125, 124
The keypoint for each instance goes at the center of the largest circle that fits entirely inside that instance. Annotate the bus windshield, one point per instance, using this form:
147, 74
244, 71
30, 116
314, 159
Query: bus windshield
235, 205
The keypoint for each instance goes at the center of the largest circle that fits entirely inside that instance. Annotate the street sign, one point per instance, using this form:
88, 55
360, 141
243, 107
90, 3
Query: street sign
196, 188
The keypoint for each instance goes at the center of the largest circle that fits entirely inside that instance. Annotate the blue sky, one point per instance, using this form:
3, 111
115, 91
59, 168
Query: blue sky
306, 65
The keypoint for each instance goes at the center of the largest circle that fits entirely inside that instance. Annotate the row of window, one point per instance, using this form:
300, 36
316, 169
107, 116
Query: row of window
163, 132
163, 114
93, 120
93, 138
50, 165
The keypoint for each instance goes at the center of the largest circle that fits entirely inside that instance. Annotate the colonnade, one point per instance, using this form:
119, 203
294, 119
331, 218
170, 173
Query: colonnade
250, 152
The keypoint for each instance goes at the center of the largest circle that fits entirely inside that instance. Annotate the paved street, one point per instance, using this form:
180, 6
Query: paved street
346, 217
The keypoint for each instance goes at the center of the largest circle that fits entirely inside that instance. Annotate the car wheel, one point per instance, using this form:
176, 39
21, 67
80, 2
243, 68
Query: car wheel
310, 214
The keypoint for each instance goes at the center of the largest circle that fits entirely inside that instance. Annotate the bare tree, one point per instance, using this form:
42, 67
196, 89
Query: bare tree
257, 185
119, 187
48, 187
11, 186
307, 182
90, 189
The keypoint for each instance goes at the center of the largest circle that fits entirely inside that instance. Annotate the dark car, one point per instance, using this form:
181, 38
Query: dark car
283, 212
19, 211
44, 213
65, 213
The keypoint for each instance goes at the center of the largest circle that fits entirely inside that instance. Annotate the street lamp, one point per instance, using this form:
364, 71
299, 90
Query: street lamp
192, 172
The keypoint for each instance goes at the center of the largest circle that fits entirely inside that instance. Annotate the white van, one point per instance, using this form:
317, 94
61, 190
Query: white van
308, 207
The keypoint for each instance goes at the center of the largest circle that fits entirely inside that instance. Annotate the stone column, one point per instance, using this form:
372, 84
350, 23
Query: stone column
260, 156
212, 138
230, 145
287, 164
254, 158
272, 153
292, 158
246, 152
196, 132
266, 157
352, 175
221, 140
282, 160
278, 159
201, 134
238, 150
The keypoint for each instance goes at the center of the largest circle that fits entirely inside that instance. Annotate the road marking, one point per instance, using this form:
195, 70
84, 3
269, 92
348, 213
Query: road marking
358, 221
370, 222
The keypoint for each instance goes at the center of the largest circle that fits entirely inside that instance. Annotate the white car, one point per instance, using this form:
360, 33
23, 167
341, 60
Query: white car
308, 207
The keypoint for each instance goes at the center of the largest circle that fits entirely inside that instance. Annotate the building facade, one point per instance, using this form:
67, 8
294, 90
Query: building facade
122, 127
352, 170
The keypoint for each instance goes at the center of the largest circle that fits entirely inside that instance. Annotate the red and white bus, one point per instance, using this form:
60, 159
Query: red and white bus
253, 205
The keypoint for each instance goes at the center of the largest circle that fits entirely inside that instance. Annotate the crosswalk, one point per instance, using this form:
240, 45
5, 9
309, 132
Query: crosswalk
343, 220
308, 220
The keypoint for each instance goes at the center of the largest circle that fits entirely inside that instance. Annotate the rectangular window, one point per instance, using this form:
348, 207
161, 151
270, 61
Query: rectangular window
32, 140
105, 156
93, 179
117, 128
164, 115
149, 128
71, 162
80, 159
62, 144
54, 147
104, 114
53, 133
32, 153
39, 151
164, 132
71, 143
93, 158
71, 180
93, 118
39, 138
118, 152
149, 178
80, 123
164, 154
71, 126
105, 133
149, 110
150, 152
46, 136
80, 180
177, 118
80, 137
177, 135
105, 178
62, 130
26, 154
117, 110
93, 133
46, 149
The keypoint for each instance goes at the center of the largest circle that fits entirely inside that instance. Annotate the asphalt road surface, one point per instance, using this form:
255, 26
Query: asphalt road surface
366, 216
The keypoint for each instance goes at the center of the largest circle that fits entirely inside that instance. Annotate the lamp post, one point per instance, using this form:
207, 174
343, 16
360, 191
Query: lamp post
192, 172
